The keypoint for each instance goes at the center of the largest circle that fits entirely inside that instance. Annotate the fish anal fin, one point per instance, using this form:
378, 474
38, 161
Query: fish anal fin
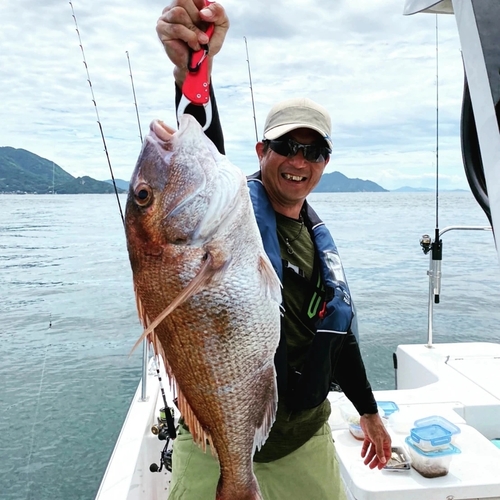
266, 385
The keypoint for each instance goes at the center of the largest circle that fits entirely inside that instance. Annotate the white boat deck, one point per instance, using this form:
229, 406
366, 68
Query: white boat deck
127, 475
460, 382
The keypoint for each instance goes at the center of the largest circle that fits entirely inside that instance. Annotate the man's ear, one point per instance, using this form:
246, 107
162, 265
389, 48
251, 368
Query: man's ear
259, 149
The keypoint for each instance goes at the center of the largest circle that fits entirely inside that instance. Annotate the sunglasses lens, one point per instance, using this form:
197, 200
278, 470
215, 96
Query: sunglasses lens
312, 153
280, 147
290, 148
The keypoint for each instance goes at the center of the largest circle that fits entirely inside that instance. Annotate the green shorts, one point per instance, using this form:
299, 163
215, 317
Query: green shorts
310, 472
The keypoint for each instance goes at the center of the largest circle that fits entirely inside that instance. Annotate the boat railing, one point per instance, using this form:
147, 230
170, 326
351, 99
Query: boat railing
434, 272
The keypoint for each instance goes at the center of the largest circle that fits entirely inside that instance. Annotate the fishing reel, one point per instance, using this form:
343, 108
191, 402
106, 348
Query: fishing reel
426, 243
434, 271
165, 430
162, 428
165, 461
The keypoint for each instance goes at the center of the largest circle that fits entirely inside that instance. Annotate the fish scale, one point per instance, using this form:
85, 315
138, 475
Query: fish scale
207, 295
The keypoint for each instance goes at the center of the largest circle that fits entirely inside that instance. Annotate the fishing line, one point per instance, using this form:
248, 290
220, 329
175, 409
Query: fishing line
36, 411
251, 90
437, 127
437, 246
135, 99
97, 114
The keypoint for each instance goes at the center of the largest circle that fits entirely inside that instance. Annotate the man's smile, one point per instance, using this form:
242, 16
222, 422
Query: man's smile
290, 177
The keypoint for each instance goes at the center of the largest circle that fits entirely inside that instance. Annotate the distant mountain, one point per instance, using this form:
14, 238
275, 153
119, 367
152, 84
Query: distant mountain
329, 183
120, 183
336, 182
25, 172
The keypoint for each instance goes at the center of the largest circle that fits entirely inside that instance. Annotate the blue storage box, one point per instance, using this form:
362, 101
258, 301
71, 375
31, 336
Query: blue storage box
430, 437
437, 420
389, 407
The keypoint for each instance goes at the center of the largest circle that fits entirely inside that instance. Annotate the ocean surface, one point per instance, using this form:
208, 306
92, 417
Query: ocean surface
68, 319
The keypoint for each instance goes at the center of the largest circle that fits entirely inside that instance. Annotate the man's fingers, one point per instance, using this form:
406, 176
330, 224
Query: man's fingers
215, 13
176, 24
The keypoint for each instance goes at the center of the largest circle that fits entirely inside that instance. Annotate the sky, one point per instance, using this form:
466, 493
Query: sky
374, 69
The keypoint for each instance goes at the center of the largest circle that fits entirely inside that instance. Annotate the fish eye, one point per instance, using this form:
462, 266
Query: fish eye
143, 195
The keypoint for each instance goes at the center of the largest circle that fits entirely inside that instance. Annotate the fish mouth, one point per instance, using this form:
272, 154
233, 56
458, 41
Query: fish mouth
162, 130
294, 178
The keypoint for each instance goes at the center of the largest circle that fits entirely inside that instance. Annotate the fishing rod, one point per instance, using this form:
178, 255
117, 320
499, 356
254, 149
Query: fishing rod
428, 245
437, 247
165, 428
251, 90
97, 115
135, 99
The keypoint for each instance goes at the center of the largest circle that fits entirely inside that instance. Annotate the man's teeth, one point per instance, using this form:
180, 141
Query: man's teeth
293, 177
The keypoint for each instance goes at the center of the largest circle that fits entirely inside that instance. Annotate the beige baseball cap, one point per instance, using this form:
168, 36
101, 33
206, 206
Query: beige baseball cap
301, 112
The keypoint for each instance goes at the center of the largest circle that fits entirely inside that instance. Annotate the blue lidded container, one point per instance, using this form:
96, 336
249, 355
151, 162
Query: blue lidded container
389, 407
430, 437
437, 420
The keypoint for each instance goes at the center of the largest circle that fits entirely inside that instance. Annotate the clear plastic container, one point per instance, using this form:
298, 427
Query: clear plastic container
357, 431
402, 421
430, 437
430, 463
349, 413
443, 422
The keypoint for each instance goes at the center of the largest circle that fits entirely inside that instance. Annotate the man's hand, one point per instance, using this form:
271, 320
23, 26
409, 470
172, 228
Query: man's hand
376, 448
182, 26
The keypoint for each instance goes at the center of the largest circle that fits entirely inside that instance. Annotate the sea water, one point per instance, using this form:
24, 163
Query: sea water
68, 319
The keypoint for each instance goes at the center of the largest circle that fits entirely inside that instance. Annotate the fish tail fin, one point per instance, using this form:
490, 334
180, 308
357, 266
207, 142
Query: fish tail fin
250, 491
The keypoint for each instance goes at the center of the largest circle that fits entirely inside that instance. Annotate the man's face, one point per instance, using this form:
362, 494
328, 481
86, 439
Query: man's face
288, 180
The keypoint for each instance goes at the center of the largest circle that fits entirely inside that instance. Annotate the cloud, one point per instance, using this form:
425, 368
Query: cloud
372, 67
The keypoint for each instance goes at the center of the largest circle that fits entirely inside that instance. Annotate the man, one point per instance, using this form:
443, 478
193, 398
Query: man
317, 343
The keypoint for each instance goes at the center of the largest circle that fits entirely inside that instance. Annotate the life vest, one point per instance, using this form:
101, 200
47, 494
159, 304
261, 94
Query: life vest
335, 316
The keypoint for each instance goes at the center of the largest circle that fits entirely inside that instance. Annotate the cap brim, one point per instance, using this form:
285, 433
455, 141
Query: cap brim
276, 132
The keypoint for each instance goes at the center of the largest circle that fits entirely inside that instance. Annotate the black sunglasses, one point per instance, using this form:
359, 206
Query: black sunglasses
288, 147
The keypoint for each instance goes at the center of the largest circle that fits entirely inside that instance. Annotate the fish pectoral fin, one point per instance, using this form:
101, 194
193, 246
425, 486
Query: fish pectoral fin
271, 282
214, 262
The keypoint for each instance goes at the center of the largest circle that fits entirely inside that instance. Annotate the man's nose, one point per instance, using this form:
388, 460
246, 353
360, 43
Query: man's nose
298, 159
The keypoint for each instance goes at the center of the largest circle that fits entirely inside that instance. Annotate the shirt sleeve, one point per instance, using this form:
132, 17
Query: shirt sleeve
214, 131
350, 374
